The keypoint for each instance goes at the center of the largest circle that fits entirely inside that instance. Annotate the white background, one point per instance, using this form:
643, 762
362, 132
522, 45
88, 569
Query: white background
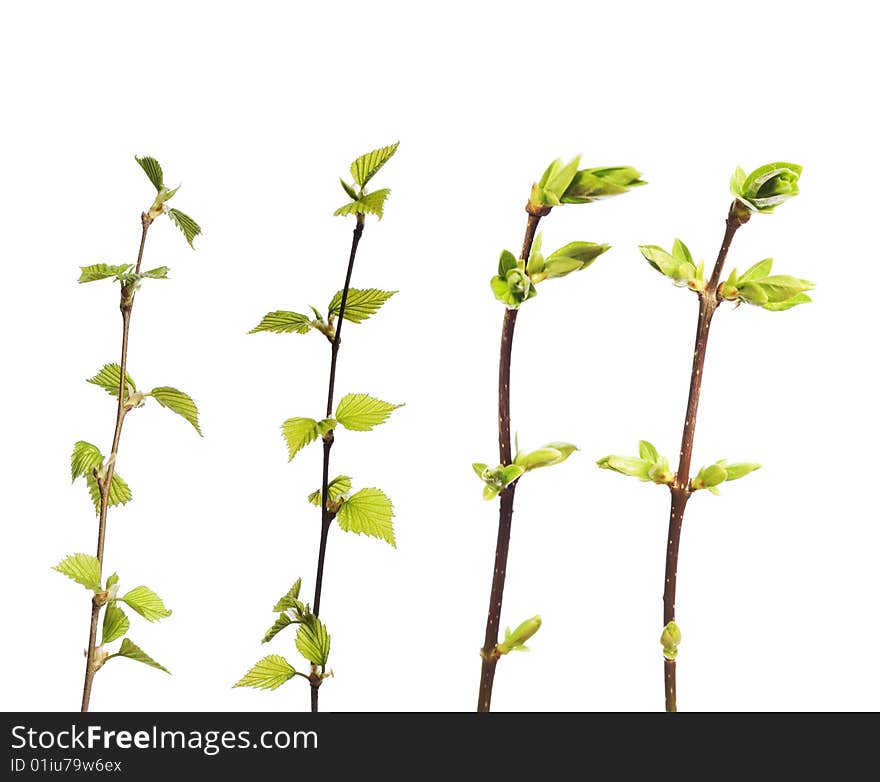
257, 111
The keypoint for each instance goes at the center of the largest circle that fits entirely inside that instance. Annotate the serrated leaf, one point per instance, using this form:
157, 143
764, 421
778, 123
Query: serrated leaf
281, 622
85, 459
186, 224
153, 171
372, 203
648, 451
108, 379
361, 412
268, 674
313, 640
299, 432
179, 403
134, 652
283, 322
289, 600
101, 271
366, 166
368, 512
360, 304
115, 625
159, 273
119, 492
146, 602
82, 568
339, 486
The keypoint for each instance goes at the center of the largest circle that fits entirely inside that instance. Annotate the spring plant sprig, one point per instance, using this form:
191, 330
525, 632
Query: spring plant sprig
757, 193
105, 485
516, 283
367, 511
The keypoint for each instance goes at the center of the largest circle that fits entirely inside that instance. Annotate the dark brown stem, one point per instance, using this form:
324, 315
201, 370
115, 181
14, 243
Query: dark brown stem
489, 652
327, 515
680, 489
125, 305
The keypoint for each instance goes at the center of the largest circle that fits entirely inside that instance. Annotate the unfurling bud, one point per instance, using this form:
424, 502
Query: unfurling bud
766, 187
670, 638
515, 641
550, 454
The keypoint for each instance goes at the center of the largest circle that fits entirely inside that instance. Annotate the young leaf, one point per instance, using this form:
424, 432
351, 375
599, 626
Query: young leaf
661, 260
350, 191
283, 322
153, 170
82, 568
115, 625
186, 224
159, 273
739, 470
289, 600
339, 486
627, 465
573, 257
101, 271
108, 379
368, 512
760, 270
366, 166
268, 674
84, 460
360, 412
313, 640
801, 298
299, 432
372, 203
146, 602
782, 287
133, 652
359, 304
179, 403
648, 451
281, 622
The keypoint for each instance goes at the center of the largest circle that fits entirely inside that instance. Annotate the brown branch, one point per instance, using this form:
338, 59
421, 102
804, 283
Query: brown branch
489, 652
126, 303
680, 488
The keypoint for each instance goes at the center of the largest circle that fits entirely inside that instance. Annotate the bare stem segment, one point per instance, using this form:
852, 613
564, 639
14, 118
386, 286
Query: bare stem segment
327, 515
680, 489
489, 652
126, 303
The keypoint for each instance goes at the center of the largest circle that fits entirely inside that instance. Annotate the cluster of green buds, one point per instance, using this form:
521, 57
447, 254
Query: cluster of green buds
512, 285
766, 187
678, 265
516, 641
670, 638
758, 287
648, 466
711, 476
564, 183
498, 478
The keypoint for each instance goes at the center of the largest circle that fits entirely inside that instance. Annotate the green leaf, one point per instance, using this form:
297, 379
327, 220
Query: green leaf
119, 493
627, 465
159, 273
101, 271
108, 379
82, 568
313, 640
281, 622
186, 224
782, 287
710, 476
338, 487
648, 451
573, 257
372, 203
366, 166
133, 652
801, 298
753, 293
268, 674
146, 602
506, 263
289, 600
509, 473
559, 177
153, 170
737, 180
368, 512
85, 459
352, 193
361, 412
767, 186
760, 270
740, 470
661, 260
681, 253
283, 322
179, 403
115, 625
360, 304
112, 579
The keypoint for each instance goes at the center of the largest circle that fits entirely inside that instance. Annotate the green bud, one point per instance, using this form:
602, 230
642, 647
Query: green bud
490, 491
670, 638
549, 455
516, 640
737, 471
709, 476
627, 465
753, 293
766, 187
590, 184
660, 472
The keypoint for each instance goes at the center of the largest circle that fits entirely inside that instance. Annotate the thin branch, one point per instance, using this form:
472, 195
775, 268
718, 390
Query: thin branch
125, 305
